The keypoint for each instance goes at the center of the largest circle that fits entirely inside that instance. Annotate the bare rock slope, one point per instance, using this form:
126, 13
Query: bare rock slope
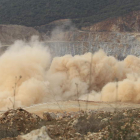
125, 23
10, 33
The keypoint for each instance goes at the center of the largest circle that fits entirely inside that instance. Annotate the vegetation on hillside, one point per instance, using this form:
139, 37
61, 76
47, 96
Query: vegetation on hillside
82, 12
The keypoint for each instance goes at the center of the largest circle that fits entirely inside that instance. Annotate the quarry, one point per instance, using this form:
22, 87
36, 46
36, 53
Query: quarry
70, 84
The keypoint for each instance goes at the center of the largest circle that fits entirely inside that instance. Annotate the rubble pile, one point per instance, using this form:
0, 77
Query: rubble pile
81, 125
17, 122
61, 115
39, 134
96, 125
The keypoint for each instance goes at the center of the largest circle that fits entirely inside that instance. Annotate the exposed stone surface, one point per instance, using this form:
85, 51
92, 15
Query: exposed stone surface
39, 134
126, 23
129, 22
118, 44
19, 121
119, 36
49, 116
10, 33
61, 24
89, 125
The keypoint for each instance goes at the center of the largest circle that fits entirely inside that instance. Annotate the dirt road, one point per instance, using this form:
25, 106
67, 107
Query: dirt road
71, 106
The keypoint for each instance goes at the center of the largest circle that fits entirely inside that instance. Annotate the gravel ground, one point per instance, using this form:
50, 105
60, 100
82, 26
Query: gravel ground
100, 121
73, 106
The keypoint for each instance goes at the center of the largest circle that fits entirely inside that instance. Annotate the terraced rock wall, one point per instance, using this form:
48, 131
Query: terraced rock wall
118, 44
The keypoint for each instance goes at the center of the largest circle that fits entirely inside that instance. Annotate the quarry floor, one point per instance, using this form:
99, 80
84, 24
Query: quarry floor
73, 106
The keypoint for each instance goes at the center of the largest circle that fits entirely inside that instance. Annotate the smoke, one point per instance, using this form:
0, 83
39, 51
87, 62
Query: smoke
28, 71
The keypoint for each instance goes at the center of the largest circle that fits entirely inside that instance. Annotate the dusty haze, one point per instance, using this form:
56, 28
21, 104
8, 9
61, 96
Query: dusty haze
28, 70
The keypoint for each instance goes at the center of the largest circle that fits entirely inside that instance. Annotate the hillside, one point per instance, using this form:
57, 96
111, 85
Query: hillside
125, 23
10, 33
83, 13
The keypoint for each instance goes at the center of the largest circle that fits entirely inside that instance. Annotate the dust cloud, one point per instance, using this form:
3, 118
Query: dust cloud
28, 75
24, 65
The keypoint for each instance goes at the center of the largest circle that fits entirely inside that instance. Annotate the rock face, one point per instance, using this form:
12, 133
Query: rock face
118, 44
116, 36
39, 134
19, 121
126, 23
63, 24
10, 33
